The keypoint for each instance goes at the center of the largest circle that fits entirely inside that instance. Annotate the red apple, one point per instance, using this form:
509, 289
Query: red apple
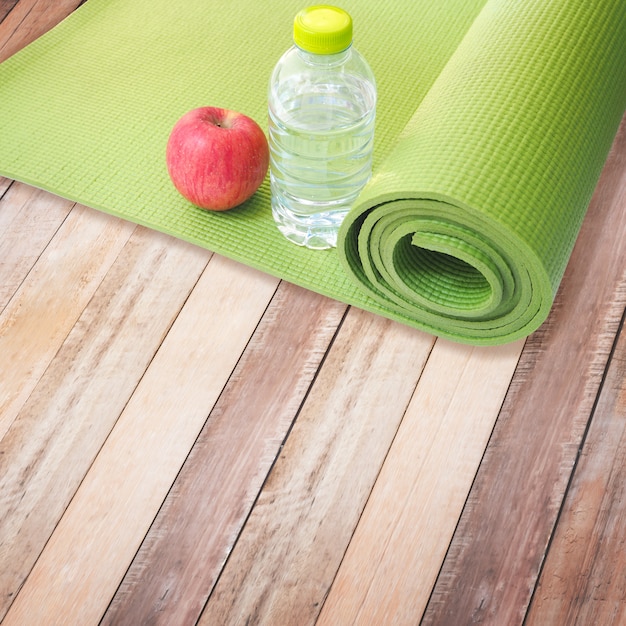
217, 158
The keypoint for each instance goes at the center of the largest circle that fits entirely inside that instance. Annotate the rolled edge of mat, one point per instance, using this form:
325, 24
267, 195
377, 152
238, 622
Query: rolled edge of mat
460, 277
466, 229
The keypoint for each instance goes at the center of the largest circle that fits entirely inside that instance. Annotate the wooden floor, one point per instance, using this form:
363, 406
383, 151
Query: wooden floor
185, 440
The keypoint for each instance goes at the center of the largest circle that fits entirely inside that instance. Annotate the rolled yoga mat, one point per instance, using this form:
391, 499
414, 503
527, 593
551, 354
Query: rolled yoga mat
469, 224
493, 124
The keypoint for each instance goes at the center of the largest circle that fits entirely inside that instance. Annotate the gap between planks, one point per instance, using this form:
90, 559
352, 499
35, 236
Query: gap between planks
27, 20
582, 581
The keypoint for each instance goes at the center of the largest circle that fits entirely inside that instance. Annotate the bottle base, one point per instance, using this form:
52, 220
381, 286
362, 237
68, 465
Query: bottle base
317, 231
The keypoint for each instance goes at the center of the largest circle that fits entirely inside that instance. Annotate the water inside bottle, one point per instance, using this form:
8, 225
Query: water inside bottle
321, 139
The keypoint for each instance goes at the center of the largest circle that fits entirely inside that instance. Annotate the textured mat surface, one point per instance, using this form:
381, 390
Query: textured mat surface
494, 121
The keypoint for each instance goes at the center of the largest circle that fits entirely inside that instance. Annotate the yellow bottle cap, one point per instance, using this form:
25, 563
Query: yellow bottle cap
322, 29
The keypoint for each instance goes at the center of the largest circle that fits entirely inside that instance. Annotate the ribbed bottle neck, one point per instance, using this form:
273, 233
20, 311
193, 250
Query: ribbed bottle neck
325, 60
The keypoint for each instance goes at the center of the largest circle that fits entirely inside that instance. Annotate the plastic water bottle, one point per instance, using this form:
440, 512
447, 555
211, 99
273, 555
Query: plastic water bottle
322, 106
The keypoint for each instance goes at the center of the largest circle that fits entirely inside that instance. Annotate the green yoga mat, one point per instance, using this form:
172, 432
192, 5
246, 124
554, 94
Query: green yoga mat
494, 121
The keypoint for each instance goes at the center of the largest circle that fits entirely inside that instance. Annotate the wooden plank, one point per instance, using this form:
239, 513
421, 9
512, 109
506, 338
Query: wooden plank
56, 436
94, 543
583, 580
29, 19
5, 7
493, 562
45, 308
393, 559
284, 562
29, 218
178, 563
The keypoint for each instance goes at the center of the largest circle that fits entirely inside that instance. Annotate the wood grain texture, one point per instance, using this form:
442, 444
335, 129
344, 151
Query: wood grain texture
493, 562
285, 560
94, 543
393, 559
584, 577
28, 220
55, 437
180, 560
26, 20
43, 311
5, 7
